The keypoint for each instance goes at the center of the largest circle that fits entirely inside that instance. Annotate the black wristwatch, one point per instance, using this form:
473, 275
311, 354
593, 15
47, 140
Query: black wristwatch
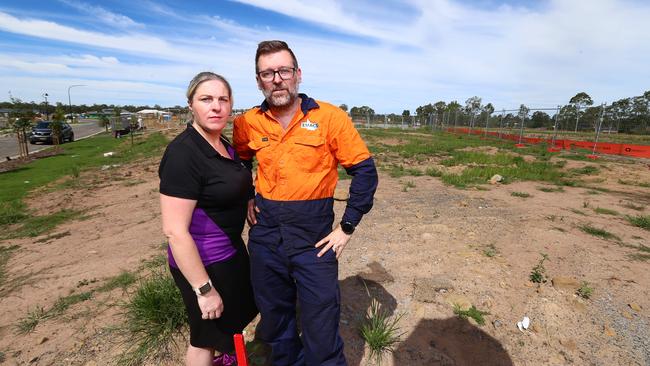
204, 289
347, 227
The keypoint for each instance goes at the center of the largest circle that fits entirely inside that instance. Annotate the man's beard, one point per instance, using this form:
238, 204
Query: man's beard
281, 101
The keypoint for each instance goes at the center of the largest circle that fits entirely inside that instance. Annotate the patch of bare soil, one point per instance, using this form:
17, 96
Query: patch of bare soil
418, 252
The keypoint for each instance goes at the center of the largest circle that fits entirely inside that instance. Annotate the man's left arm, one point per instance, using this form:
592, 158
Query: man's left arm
352, 153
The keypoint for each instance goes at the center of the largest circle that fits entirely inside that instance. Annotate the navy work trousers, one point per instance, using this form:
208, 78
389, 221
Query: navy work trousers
281, 279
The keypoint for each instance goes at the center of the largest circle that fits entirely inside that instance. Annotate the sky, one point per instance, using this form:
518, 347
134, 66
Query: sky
390, 55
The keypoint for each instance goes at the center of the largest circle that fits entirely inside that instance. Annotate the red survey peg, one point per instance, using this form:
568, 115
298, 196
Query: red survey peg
240, 350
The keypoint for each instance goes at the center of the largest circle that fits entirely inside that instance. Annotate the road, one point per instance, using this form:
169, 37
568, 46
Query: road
9, 144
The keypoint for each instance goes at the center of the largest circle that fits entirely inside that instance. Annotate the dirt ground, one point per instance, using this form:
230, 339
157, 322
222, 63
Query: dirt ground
424, 247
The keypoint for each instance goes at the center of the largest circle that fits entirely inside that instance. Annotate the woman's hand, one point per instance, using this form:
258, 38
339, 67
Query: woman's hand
210, 304
253, 210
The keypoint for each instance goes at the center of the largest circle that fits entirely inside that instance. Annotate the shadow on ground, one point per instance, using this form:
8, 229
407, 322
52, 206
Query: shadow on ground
447, 342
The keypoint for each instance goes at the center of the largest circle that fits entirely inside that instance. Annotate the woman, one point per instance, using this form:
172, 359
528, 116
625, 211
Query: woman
204, 190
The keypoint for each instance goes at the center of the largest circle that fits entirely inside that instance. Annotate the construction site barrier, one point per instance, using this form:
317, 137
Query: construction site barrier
637, 151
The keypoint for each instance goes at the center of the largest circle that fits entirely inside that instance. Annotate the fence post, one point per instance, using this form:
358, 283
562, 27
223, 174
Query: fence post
521, 130
557, 114
600, 123
503, 112
487, 122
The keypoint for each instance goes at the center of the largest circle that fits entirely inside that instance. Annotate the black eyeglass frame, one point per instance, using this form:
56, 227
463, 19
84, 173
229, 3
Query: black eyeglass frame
279, 71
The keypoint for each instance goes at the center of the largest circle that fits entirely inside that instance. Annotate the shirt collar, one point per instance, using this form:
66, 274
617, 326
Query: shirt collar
306, 105
203, 145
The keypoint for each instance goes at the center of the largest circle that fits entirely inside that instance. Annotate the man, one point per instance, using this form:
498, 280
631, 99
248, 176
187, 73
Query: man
298, 143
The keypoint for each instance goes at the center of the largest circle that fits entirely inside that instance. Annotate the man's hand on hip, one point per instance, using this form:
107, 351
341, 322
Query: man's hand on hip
336, 240
251, 217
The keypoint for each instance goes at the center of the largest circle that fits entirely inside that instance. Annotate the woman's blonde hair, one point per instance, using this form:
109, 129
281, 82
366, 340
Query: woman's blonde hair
205, 76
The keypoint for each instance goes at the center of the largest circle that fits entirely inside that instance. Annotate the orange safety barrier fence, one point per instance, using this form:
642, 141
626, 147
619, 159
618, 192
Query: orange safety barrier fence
637, 151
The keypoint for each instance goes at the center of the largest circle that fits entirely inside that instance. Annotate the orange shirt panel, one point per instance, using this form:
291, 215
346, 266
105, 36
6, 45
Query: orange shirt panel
301, 162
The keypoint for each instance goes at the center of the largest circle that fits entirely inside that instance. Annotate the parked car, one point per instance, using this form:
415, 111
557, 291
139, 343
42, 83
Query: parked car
42, 132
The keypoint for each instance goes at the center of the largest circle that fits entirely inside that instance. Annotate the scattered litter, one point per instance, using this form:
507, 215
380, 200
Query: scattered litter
105, 167
496, 179
74, 156
26, 182
523, 324
110, 153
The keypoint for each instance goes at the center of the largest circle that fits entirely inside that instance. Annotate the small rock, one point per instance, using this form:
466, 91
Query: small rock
503, 285
463, 203
92, 252
566, 283
634, 306
427, 236
626, 315
33, 359
536, 328
43, 340
608, 331
497, 323
528, 284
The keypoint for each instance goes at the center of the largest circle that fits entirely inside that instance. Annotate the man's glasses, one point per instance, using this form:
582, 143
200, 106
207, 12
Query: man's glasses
285, 73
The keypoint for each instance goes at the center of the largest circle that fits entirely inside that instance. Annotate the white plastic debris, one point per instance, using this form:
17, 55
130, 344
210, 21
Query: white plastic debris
523, 323
110, 153
26, 182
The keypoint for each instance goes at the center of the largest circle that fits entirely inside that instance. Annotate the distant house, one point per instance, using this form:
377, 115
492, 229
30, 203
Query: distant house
154, 113
4, 117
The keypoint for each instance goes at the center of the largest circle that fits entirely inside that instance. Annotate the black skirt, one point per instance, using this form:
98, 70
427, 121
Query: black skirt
231, 279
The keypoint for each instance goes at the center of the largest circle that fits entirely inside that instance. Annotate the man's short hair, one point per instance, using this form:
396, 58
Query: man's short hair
268, 47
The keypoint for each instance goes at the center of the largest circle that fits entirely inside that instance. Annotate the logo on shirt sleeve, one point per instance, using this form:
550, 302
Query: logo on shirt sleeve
309, 125
265, 139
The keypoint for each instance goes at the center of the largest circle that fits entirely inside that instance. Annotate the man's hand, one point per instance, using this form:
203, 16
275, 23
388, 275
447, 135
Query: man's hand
210, 304
336, 240
251, 217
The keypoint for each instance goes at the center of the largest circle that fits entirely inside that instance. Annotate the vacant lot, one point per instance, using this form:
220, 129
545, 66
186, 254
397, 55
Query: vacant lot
440, 237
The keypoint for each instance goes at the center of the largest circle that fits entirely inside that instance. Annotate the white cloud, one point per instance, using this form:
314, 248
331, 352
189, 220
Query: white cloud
103, 15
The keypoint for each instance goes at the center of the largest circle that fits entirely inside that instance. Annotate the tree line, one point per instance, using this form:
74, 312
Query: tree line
626, 115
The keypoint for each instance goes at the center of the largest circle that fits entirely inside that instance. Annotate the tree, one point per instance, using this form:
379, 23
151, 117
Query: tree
424, 110
57, 125
540, 119
362, 111
104, 121
344, 107
20, 118
406, 113
579, 101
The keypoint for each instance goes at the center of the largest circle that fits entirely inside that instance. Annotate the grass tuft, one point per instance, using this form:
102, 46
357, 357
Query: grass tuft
605, 211
122, 280
37, 225
520, 194
380, 331
29, 323
585, 291
640, 221
602, 233
154, 314
538, 274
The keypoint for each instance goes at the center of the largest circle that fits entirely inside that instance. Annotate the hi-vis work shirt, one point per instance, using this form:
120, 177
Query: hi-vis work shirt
297, 167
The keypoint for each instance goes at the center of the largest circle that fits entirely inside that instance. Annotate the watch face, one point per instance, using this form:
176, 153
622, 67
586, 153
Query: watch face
347, 227
205, 289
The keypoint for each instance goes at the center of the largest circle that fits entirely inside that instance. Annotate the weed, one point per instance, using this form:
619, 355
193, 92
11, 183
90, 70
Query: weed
380, 331
598, 232
593, 192
53, 237
37, 225
29, 323
75, 171
12, 212
122, 280
433, 172
585, 291
490, 251
640, 221
472, 312
576, 211
408, 185
585, 204
538, 274
550, 189
154, 314
605, 211
63, 303
585, 170
634, 207
85, 282
520, 194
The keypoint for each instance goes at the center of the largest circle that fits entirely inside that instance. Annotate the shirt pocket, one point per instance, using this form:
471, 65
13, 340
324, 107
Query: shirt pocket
309, 153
